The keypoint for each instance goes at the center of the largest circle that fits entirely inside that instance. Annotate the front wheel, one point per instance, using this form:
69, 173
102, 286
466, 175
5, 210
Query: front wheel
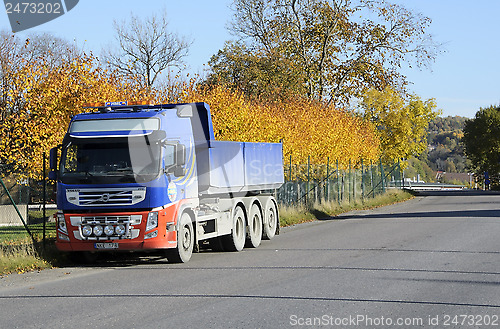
185, 241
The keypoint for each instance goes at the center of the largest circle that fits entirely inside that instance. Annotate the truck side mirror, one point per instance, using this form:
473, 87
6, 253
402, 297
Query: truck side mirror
180, 156
53, 158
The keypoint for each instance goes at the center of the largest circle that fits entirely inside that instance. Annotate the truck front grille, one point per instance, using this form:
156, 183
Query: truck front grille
106, 197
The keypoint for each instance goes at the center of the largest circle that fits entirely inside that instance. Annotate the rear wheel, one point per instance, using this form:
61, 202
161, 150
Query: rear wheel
271, 219
254, 227
236, 240
185, 241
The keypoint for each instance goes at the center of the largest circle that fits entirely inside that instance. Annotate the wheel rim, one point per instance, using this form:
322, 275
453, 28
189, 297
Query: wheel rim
255, 227
239, 227
271, 221
186, 241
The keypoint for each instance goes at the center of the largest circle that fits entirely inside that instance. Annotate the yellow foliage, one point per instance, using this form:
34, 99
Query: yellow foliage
40, 101
401, 124
307, 128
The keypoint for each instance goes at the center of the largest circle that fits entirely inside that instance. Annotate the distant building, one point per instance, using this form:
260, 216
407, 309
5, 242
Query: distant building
443, 176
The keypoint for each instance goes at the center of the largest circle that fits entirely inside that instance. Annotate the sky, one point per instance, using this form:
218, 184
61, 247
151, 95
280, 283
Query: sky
464, 78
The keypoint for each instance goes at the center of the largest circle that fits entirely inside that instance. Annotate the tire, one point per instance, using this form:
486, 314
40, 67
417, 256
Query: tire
271, 220
254, 227
236, 240
185, 241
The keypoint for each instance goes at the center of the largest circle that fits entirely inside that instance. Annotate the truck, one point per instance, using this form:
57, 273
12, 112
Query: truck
133, 176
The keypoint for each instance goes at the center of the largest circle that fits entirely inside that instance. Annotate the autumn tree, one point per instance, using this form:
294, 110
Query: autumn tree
36, 49
146, 48
401, 122
481, 140
336, 54
256, 73
39, 99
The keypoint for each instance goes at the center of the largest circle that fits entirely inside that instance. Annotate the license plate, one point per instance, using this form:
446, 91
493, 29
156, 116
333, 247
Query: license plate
106, 245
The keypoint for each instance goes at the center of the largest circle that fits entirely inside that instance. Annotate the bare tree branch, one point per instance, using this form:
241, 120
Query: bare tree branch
146, 48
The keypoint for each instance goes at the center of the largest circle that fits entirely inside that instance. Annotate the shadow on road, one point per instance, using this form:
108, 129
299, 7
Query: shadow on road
485, 213
456, 193
493, 213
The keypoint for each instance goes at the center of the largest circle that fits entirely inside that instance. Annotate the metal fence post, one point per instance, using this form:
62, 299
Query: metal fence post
354, 184
371, 178
28, 198
342, 191
362, 182
327, 185
338, 182
307, 186
298, 191
44, 202
382, 175
349, 182
401, 176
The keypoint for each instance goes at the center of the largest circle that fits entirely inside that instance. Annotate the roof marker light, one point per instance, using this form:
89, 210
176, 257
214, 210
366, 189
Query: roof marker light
122, 103
117, 104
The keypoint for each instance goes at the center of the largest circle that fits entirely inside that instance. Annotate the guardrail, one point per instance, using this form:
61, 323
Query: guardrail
431, 186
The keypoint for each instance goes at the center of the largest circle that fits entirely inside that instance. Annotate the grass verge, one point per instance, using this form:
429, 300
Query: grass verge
18, 252
20, 255
292, 215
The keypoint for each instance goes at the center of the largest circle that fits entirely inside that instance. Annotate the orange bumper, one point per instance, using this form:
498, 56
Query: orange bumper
164, 235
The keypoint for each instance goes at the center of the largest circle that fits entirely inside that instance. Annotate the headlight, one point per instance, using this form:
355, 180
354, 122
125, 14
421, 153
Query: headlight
61, 223
120, 229
86, 230
109, 230
97, 230
152, 221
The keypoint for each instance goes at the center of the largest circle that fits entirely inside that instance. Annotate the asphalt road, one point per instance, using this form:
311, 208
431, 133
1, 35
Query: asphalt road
431, 262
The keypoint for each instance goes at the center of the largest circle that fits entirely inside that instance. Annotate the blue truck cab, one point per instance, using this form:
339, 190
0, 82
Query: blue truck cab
152, 177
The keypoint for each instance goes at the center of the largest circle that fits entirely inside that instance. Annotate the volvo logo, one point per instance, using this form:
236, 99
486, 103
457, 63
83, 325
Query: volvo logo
105, 197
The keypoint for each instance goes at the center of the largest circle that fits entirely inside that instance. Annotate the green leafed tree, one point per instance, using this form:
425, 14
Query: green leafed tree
482, 140
401, 123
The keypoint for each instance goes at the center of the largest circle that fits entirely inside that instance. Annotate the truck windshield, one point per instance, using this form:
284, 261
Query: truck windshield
110, 161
